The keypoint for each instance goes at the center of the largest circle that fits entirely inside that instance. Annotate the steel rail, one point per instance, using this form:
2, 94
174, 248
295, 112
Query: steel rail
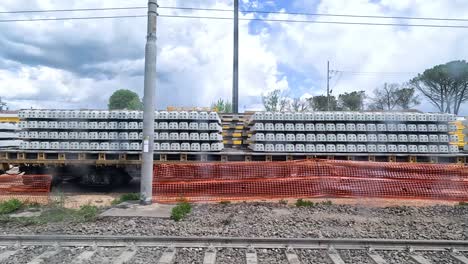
232, 242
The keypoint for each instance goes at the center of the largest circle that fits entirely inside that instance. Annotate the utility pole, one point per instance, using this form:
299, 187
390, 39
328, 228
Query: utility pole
235, 73
146, 185
328, 85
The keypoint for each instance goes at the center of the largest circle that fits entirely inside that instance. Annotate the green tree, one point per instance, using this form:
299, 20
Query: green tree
298, 105
125, 99
394, 96
353, 101
445, 86
222, 106
320, 102
274, 101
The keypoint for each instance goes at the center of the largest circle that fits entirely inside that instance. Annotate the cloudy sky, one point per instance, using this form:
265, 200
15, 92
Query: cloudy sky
78, 64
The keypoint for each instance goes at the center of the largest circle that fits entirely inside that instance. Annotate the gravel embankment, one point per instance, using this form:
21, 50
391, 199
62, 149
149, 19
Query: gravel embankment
276, 220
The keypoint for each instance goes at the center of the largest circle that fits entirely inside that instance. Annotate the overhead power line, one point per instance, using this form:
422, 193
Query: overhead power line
322, 22
378, 73
357, 16
244, 19
230, 10
73, 10
69, 18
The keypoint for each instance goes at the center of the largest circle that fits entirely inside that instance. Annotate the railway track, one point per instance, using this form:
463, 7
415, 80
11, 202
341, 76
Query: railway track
124, 249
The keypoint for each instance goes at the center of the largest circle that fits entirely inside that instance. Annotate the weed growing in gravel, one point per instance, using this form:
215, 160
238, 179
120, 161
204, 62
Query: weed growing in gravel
283, 202
54, 213
126, 197
10, 206
463, 203
180, 211
224, 202
304, 203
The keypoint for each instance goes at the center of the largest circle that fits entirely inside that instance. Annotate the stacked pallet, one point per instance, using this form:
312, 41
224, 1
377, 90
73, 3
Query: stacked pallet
233, 131
118, 130
352, 132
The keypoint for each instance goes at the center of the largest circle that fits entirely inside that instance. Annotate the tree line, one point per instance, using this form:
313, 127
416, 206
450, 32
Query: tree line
389, 97
445, 86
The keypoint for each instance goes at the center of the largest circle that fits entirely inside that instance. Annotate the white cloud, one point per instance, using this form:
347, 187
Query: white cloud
306, 47
82, 57
79, 63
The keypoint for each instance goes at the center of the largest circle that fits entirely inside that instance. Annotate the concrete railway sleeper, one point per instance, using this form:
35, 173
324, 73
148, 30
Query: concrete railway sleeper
124, 249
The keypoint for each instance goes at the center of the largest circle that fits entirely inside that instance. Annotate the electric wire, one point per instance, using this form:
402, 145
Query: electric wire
244, 19
243, 11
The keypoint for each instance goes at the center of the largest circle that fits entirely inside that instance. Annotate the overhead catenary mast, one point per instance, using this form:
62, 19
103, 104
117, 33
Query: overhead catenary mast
235, 72
146, 187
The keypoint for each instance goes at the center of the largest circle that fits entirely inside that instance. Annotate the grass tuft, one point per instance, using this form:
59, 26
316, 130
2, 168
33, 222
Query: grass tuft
224, 202
180, 211
304, 203
463, 203
10, 206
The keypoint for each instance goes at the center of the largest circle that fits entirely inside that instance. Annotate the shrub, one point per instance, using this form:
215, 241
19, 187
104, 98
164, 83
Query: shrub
87, 213
10, 206
304, 203
180, 211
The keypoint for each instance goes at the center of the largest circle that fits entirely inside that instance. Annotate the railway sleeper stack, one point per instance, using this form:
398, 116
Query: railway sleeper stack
9, 136
352, 132
118, 130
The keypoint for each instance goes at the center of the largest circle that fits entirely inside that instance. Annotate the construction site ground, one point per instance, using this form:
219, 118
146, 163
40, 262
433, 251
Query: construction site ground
76, 196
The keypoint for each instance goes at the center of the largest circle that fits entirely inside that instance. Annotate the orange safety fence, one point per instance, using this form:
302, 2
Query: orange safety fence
309, 178
26, 188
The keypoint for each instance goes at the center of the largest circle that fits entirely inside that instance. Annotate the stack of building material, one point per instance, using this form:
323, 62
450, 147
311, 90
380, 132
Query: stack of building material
459, 133
118, 130
9, 135
465, 132
353, 132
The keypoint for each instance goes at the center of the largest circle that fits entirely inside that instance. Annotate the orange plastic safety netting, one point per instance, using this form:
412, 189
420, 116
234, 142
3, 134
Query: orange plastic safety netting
309, 178
27, 188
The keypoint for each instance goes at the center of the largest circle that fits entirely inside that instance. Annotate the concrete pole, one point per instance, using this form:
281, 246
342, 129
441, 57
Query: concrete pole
146, 187
235, 73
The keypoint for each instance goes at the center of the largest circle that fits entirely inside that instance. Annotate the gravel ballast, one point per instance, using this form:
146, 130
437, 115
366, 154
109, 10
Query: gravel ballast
230, 255
266, 256
189, 255
312, 256
277, 220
